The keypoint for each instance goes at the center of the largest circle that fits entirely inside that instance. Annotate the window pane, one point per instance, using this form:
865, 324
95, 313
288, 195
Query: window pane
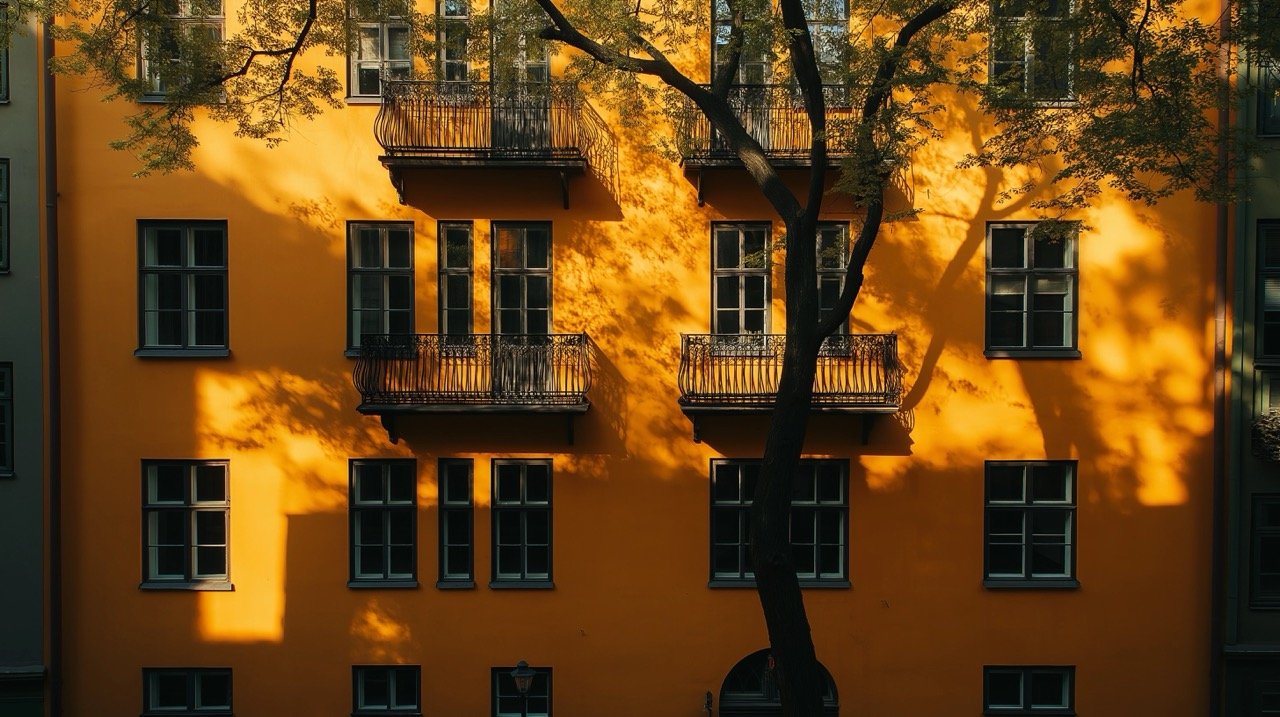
1004, 483
211, 527
538, 249
1049, 484
537, 483
399, 248
1008, 248
406, 688
400, 526
169, 484
211, 483
164, 247
214, 691
1004, 689
208, 248
211, 562
508, 488
168, 690
726, 253
1048, 689
377, 688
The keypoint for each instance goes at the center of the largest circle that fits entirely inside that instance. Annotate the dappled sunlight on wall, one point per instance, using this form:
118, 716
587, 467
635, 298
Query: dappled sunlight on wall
382, 632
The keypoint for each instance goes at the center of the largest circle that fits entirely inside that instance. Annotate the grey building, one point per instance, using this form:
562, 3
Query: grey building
23, 383
1252, 593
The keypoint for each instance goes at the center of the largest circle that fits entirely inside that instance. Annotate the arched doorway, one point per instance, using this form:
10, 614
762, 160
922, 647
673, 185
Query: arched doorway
751, 690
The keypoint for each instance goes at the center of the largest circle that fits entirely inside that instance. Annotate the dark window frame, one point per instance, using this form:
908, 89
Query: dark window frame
1029, 28
4, 71
1025, 673
1029, 506
498, 271
452, 508
1268, 112
393, 674
383, 272
6, 189
1268, 232
448, 273
1260, 599
740, 511
190, 505
454, 67
741, 272
524, 507
835, 273
7, 448
187, 271
498, 678
1030, 273
192, 676
388, 508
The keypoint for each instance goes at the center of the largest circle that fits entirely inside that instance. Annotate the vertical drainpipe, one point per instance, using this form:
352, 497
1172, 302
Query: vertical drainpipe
1218, 523
54, 362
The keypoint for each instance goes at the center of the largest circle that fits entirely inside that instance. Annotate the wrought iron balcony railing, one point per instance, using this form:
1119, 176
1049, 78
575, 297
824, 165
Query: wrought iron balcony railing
774, 115
520, 123
428, 373
857, 373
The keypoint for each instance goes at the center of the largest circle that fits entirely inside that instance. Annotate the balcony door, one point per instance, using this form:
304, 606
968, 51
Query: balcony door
521, 88
750, 95
740, 286
522, 346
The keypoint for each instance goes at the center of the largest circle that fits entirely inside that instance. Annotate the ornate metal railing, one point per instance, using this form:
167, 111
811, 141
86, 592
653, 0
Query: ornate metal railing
492, 121
401, 372
774, 115
855, 371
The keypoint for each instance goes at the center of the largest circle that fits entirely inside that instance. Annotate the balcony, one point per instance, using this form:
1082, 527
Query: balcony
477, 373
856, 373
433, 124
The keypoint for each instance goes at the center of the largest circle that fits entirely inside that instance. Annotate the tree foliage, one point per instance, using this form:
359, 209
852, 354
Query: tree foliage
1091, 95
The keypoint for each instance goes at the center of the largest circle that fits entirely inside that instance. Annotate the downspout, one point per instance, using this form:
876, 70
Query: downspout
1220, 367
54, 356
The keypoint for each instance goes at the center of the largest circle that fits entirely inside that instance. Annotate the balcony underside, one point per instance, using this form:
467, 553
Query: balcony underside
428, 405
696, 162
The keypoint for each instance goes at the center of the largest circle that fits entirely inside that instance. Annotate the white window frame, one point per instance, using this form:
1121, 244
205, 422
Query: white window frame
187, 21
388, 68
191, 506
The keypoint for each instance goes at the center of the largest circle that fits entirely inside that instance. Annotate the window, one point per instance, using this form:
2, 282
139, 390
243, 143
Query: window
384, 507
1031, 51
751, 689
381, 53
4, 68
186, 691
4, 198
456, 527
1030, 524
740, 279
1028, 690
522, 278
507, 700
819, 522
1264, 590
1269, 290
181, 48
756, 60
1269, 99
184, 515
1031, 291
833, 259
6, 419
183, 287
454, 32
379, 280
521, 523
384, 689
455, 279
829, 30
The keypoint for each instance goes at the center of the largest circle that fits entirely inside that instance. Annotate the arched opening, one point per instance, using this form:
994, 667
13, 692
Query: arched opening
751, 689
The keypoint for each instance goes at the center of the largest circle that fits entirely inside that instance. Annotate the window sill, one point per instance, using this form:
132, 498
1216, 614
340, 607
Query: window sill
1264, 605
1032, 353
182, 353
351, 353
8, 475
363, 100
521, 585
209, 586
806, 584
1037, 711
1034, 584
455, 584
375, 584
405, 713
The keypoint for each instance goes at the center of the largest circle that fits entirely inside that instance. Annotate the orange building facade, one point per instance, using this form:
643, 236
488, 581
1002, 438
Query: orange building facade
354, 427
